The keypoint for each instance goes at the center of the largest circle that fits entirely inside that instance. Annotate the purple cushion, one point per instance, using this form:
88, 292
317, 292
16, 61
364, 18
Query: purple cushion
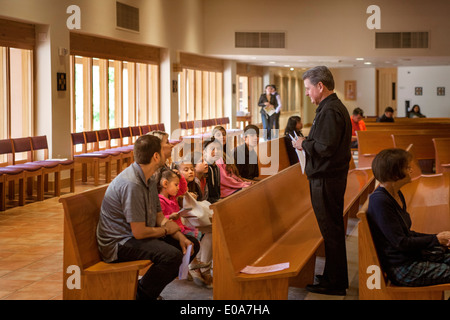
10, 170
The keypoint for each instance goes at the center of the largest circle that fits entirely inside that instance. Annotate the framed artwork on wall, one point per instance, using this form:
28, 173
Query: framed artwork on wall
350, 89
418, 91
441, 91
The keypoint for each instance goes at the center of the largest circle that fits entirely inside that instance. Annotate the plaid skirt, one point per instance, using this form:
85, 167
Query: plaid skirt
422, 273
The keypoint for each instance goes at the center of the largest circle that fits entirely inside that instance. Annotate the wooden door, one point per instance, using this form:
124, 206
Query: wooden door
386, 89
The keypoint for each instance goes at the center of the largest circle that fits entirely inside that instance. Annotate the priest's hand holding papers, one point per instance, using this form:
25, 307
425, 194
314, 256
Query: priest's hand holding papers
297, 144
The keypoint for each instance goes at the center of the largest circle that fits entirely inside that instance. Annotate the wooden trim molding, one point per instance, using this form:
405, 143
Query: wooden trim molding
91, 46
17, 34
196, 62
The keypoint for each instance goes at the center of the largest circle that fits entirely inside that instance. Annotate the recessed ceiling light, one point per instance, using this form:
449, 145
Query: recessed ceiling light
272, 62
360, 59
367, 62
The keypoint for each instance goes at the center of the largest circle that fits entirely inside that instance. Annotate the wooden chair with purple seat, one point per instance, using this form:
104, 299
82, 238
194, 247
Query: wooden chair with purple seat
116, 143
125, 133
92, 158
10, 174
145, 129
39, 143
31, 170
103, 138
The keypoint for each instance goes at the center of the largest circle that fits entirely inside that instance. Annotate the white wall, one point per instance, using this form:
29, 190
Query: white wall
365, 88
325, 27
429, 78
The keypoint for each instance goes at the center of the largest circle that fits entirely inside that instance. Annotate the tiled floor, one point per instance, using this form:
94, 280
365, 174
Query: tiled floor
31, 256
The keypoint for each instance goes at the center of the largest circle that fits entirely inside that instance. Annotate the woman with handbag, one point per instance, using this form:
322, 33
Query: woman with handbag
409, 258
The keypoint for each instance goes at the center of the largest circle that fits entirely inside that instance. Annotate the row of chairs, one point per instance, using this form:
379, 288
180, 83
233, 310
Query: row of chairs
103, 147
191, 126
26, 172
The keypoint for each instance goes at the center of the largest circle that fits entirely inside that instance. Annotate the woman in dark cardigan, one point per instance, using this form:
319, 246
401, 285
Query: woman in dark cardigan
401, 250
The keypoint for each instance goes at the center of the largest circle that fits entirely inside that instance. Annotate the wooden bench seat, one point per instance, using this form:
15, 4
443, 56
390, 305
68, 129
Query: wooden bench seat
262, 225
98, 280
269, 223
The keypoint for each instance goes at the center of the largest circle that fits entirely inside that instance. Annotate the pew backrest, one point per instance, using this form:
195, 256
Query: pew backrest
82, 212
256, 217
442, 154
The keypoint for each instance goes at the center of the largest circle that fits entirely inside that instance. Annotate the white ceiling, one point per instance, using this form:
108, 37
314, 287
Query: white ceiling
297, 62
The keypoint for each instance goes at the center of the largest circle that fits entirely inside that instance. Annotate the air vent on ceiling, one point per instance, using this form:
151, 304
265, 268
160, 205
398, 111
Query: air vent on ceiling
401, 40
127, 17
260, 40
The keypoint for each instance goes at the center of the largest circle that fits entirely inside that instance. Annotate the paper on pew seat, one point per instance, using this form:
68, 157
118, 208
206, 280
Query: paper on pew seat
265, 269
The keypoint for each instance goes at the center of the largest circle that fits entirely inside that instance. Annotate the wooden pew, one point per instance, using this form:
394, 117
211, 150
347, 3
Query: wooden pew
427, 202
269, 223
371, 142
266, 160
98, 280
442, 154
408, 125
423, 145
423, 142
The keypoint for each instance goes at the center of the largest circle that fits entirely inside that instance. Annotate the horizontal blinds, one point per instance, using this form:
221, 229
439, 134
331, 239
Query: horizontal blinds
17, 34
195, 62
96, 47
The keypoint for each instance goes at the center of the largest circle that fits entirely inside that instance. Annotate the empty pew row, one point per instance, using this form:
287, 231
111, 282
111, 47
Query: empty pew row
427, 199
371, 142
271, 223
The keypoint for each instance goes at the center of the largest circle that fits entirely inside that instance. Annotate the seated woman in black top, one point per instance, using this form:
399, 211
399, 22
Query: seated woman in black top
415, 112
399, 248
294, 124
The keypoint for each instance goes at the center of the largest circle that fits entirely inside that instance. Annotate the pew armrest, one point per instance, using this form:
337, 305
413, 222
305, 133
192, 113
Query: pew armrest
103, 267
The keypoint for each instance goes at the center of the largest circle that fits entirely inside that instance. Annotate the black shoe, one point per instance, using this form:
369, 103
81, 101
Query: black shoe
321, 289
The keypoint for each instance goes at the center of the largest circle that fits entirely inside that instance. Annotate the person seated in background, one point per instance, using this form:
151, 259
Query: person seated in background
388, 115
293, 127
358, 124
415, 112
405, 255
212, 151
246, 155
